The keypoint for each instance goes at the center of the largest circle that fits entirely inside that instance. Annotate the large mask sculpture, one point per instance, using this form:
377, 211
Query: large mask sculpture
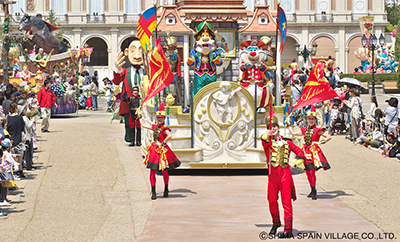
253, 68
205, 57
130, 77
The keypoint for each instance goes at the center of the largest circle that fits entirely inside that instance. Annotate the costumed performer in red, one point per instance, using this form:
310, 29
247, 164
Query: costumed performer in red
160, 156
315, 158
277, 150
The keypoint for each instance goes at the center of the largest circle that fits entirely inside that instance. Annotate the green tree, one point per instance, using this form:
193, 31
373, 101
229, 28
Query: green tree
393, 14
53, 20
397, 44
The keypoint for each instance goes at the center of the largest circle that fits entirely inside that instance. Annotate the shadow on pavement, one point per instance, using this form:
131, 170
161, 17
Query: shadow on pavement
337, 193
182, 191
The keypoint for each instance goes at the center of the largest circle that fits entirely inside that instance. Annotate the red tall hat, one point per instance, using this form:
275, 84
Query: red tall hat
161, 110
312, 113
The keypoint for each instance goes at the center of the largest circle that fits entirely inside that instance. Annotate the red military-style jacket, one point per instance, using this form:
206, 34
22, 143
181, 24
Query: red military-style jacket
253, 74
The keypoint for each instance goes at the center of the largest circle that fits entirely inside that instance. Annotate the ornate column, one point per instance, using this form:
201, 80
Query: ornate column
186, 77
110, 59
346, 60
114, 48
342, 46
77, 38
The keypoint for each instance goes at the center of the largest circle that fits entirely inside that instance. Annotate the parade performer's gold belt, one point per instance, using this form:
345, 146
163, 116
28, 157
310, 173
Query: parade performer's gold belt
205, 70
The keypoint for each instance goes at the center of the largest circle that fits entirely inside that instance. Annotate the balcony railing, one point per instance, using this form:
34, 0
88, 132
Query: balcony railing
62, 18
131, 17
323, 17
98, 18
291, 17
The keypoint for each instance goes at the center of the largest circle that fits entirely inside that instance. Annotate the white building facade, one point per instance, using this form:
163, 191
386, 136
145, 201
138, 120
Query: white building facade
107, 25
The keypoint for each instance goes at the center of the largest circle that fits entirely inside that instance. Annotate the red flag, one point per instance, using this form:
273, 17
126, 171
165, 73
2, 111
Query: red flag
160, 72
317, 88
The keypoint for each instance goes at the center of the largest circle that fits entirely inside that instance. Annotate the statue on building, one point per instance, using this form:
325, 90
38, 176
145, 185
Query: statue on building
39, 32
269, 58
174, 61
130, 77
253, 68
205, 57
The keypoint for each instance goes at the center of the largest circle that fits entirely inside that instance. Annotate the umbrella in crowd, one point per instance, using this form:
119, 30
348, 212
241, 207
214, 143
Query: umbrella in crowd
352, 81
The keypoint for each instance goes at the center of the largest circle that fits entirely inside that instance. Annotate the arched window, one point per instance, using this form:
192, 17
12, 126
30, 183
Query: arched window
99, 56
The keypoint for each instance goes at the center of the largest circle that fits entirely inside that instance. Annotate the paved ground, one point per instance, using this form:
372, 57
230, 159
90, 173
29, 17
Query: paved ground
90, 186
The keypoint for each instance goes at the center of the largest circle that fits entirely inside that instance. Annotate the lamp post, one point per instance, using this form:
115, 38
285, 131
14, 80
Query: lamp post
372, 44
305, 53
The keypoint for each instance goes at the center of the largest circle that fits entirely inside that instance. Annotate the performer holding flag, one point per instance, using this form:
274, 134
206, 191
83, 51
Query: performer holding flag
159, 157
277, 151
317, 89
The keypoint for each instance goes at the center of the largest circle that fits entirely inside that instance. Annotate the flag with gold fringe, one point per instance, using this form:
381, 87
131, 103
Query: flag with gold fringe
146, 25
160, 72
317, 88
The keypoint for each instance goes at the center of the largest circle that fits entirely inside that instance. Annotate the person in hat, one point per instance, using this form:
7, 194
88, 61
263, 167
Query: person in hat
159, 157
40, 57
277, 150
391, 115
315, 158
134, 123
6, 164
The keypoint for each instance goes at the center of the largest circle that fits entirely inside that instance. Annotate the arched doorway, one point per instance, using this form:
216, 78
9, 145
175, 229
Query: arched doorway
67, 42
326, 47
289, 52
99, 56
352, 60
124, 45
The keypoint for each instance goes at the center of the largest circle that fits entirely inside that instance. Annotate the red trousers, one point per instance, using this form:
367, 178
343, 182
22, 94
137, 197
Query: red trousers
280, 180
133, 123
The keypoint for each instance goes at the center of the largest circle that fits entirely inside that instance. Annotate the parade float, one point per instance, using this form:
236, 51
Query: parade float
382, 58
30, 69
222, 125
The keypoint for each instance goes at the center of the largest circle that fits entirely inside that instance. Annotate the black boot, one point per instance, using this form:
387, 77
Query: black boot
314, 193
153, 193
132, 134
139, 137
311, 193
3, 194
166, 190
274, 229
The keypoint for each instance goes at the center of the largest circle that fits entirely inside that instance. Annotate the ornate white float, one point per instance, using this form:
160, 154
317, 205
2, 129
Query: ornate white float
223, 129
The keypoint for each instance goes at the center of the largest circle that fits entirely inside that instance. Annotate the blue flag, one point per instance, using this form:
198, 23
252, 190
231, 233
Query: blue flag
282, 27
